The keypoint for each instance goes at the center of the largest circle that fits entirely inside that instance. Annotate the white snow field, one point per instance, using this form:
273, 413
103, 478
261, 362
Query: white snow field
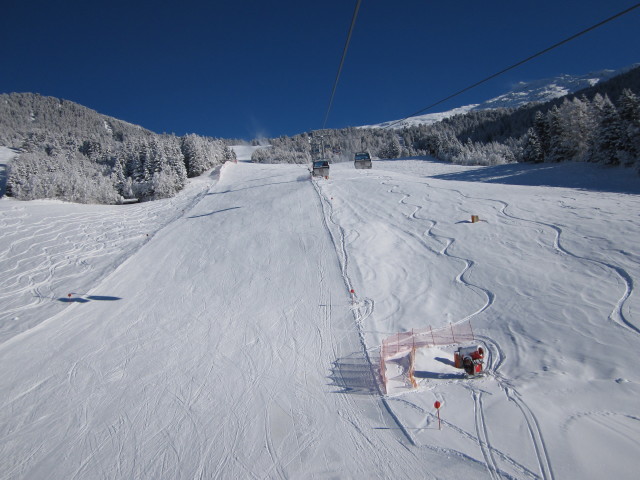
214, 335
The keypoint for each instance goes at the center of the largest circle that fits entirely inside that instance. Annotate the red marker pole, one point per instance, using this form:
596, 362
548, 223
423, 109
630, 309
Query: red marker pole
437, 405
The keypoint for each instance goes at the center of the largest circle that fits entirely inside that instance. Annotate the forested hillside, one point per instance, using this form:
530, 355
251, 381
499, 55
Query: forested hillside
598, 124
71, 152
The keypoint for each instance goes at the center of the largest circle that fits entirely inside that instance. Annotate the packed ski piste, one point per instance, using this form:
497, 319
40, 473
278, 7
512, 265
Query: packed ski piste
414, 319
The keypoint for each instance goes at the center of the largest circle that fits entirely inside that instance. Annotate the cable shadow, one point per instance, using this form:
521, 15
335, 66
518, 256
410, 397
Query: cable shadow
217, 211
259, 186
353, 375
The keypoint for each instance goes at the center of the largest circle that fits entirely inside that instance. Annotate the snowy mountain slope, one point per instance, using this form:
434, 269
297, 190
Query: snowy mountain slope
50, 248
548, 89
548, 292
228, 345
524, 92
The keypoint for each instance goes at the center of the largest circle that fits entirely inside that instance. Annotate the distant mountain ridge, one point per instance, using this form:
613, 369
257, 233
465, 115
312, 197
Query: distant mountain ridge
535, 91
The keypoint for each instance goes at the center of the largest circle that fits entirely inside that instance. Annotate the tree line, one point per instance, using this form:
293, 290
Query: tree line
73, 153
598, 124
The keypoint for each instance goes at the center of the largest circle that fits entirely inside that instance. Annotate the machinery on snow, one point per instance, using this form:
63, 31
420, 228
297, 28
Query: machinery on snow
471, 359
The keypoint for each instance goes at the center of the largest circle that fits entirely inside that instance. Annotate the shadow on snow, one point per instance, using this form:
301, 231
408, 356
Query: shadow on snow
353, 374
88, 298
578, 175
217, 211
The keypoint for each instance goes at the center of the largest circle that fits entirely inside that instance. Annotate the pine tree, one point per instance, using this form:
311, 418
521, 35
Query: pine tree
541, 129
558, 150
532, 151
629, 110
391, 149
608, 141
119, 177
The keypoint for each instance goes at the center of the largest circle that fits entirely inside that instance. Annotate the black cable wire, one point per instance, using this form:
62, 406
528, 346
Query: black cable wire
344, 54
572, 37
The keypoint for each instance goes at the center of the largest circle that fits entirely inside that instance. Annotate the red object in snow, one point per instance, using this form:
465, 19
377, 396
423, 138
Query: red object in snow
437, 405
469, 358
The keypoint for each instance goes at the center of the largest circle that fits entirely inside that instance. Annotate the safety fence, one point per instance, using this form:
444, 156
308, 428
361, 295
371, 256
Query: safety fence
403, 343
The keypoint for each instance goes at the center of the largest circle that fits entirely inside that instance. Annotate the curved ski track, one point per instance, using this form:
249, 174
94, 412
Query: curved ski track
44, 260
489, 452
362, 309
510, 391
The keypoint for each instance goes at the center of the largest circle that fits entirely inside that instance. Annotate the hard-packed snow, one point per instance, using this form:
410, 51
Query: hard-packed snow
215, 334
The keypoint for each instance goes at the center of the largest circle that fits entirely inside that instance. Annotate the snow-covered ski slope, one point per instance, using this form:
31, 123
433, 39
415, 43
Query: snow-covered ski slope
214, 335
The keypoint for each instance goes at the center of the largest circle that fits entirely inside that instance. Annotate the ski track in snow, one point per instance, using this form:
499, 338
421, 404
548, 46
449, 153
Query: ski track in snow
617, 315
43, 261
510, 391
362, 309
448, 243
482, 436
260, 358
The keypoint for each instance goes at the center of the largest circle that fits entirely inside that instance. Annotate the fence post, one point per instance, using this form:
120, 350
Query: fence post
452, 334
473, 337
383, 372
412, 367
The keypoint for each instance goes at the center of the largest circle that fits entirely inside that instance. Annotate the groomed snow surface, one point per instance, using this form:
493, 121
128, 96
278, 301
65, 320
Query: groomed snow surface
214, 335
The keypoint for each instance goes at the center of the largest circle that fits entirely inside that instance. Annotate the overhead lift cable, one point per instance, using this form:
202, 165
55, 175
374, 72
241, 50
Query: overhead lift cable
344, 55
566, 40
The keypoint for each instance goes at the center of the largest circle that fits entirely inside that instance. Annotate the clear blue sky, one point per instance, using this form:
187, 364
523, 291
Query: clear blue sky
243, 68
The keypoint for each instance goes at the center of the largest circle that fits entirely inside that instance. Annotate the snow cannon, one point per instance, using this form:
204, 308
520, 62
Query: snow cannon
470, 359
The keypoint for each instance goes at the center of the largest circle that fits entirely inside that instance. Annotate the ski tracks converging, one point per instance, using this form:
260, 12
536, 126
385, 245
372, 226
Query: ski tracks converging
492, 367
512, 394
50, 262
441, 245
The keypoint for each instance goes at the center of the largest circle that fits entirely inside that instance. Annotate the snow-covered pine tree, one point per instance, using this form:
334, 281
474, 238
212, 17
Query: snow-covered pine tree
391, 149
532, 151
629, 110
609, 136
541, 128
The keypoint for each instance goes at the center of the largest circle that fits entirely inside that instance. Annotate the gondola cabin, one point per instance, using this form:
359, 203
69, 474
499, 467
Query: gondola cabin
320, 168
362, 160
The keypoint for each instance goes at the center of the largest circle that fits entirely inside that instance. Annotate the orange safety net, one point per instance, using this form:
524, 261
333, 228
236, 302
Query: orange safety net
402, 343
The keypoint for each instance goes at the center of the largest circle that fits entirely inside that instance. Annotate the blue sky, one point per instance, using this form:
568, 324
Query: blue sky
248, 68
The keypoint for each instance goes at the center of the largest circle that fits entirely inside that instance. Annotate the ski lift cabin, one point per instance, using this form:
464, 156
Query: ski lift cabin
320, 168
362, 160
